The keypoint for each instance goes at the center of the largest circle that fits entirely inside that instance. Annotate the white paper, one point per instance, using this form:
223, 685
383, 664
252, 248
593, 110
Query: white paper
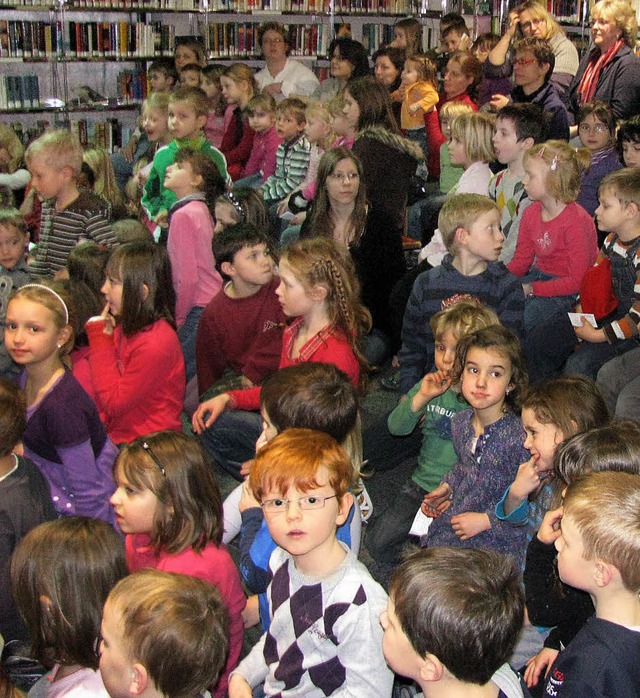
420, 524
576, 319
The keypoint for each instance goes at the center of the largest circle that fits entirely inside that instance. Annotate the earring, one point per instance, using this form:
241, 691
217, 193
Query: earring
59, 346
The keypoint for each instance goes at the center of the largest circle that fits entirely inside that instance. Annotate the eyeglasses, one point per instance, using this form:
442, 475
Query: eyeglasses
276, 506
533, 22
596, 128
344, 176
154, 458
522, 62
273, 41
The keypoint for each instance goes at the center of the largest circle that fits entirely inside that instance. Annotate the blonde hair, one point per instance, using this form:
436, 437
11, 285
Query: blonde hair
336, 105
462, 318
157, 100
537, 11
475, 131
320, 110
453, 109
12, 144
106, 184
413, 31
620, 13
623, 184
240, 72
566, 165
194, 96
11, 217
58, 148
462, 211
425, 67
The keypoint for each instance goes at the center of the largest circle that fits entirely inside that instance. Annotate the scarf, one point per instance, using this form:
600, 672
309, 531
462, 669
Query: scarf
589, 82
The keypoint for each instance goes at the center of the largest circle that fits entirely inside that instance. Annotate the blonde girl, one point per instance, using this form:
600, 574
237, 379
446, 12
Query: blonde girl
319, 290
407, 35
419, 81
343, 130
557, 241
214, 129
13, 174
168, 505
64, 436
238, 87
105, 184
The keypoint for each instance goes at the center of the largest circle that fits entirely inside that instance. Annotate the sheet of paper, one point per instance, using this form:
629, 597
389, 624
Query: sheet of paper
576, 319
420, 524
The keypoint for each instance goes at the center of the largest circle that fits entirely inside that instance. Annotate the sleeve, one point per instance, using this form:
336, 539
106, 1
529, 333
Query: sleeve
403, 420
152, 197
428, 98
510, 308
503, 473
253, 667
82, 475
253, 163
518, 517
186, 230
269, 160
626, 89
210, 359
295, 165
627, 326
302, 81
240, 153
524, 254
99, 229
17, 180
264, 355
254, 568
248, 399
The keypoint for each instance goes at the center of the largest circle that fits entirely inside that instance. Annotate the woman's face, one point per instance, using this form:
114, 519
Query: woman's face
533, 26
386, 73
455, 81
341, 68
343, 183
274, 46
604, 33
351, 110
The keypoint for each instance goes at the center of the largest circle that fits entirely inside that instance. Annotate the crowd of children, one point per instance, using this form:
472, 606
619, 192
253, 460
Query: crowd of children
203, 301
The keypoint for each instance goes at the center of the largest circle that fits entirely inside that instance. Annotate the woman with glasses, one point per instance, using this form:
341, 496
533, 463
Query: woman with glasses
282, 77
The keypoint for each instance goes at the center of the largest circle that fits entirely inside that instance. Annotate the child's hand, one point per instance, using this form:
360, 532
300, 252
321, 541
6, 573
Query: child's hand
239, 688
283, 206
437, 501
498, 101
162, 219
413, 108
469, 524
213, 408
434, 384
129, 150
247, 500
251, 613
246, 382
109, 320
299, 218
527, 480
245, 468
535, 666
550, 527
588, 333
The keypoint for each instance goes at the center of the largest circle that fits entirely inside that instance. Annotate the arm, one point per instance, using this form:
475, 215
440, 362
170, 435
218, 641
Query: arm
17, 180
185, 232
256, 546
252, 670
627, 326
510, 307
264, 354
242, 150
255, 158
428, 99
524, 254
294, 169
152, 196
99, 230
210, 358
626, 88
498, 55
299, 81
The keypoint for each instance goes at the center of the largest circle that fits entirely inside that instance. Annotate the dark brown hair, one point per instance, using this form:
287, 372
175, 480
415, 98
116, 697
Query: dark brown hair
13, 415
374, 104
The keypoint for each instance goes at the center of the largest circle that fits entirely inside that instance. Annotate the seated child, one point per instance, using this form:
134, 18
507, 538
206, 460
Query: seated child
214, 128
598, 552
261, 112
629, 142
163, 635
191, 75
452, 622
324, 605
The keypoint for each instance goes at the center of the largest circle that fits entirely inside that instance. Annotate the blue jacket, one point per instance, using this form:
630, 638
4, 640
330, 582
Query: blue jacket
548, 98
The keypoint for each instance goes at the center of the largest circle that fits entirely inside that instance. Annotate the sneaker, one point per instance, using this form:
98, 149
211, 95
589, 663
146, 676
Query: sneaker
391, 382
364, 502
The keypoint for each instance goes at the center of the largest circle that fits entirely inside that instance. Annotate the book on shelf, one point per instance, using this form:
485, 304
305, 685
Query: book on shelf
19, 92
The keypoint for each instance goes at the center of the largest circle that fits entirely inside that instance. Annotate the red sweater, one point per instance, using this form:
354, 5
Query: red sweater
237, 143
139, 381
435, 137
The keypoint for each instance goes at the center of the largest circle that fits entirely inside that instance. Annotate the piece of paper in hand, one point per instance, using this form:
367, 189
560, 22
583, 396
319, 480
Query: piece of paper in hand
576, 319
420, 524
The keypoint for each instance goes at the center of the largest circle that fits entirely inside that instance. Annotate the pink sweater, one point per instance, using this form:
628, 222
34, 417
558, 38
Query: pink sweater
564, 247
193, 267
263, 154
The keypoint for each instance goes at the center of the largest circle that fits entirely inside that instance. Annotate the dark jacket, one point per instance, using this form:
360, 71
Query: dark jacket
548, 98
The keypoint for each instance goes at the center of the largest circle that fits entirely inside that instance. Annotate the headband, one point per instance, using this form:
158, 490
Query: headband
57, 295
233, 200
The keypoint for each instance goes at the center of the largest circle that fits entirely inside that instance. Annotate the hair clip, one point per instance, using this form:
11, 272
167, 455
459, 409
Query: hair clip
234, 201
554, 164
154, 458
541, 151
459, 298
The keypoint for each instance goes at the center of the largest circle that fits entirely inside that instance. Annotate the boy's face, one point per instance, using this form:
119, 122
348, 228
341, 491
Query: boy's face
612, 214
451, 41
572, 566
116, 666
398, 650
190, 78
505, 142
631, 153
308, 534
159, 82
527, 72
484, 238
12, 246
47, 180
253, 265
287, 126
183, 120
261, 121
445, 355
154, 123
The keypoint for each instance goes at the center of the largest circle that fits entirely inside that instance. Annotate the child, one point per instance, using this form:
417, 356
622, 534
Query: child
188, 50
342, 128
64, 434
163, 635
191, 75
214, 128
598, 552
455, 38
488, 440
420, 97
168, 505
241, 206
407, 35
105, 184
433, 402
261, 111
518, 128
25, 500
162, 75
12, 172
14, 271
469, 224
319, 288
557, 241
597, 131
629, 142
137, 367
302, 480
62, 573
241, 328
68, 214
238, 87
196, 182
292, 156
188, 110
490, 84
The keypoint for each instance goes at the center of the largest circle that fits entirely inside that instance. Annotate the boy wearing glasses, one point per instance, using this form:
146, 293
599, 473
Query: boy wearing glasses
532, 68
324, 634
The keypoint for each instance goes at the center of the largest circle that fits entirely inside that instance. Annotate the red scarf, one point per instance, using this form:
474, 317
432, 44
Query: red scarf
589, 82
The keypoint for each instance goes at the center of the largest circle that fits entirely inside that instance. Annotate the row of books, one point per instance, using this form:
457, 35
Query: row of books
109, 134
19, 92
132, 85
43, 40
376, 35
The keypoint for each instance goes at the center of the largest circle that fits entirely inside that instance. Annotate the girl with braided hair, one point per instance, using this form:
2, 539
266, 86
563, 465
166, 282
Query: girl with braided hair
319, 290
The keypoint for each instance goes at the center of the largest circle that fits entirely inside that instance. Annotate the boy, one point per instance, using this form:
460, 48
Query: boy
241, 328
455, 38
324, 637
162, 75
163, 636
191, 75
68, 213
453, 621
188, 113
518, 128
470, 227
261, 164
532, 68
599, 552
292, 156
432, 401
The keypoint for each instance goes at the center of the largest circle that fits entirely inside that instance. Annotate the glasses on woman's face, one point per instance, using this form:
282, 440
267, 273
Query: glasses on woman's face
532, 23
273, 41
596, 128
522, 62
344, 176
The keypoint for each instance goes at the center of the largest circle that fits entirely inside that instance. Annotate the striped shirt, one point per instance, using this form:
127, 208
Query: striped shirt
292, 163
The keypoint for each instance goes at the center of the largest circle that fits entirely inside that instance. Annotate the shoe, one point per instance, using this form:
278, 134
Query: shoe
364, 502
391, 382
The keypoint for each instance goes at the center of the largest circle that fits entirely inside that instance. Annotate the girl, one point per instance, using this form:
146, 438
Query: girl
13, 174
196, 182
420, 97
241, 206
168, 505
557, 241
62, 572
407, 35
238, 87
137, 368
318, 288
105, 184
488, 440
64, 436
343, 130
629, 142
214, 128
597, 131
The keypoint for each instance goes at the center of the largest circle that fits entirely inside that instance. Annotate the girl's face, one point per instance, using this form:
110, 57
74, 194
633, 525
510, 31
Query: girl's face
386, 73
542, 439
261, 121
134, 507
631, 153
112, 291
185, 55
341, 68
594, 133
535, 178
190, 78
155, 123
457, 153
399, 37
226, 215
343, 183
210, 88
351, 110
486, 376
317, 129
481, 52
182, 180
409, 73
455, 81
340, 126
31, 334
234, 92
293, 296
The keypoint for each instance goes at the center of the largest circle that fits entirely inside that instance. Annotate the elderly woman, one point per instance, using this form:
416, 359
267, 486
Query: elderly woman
282, 77
610, 71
